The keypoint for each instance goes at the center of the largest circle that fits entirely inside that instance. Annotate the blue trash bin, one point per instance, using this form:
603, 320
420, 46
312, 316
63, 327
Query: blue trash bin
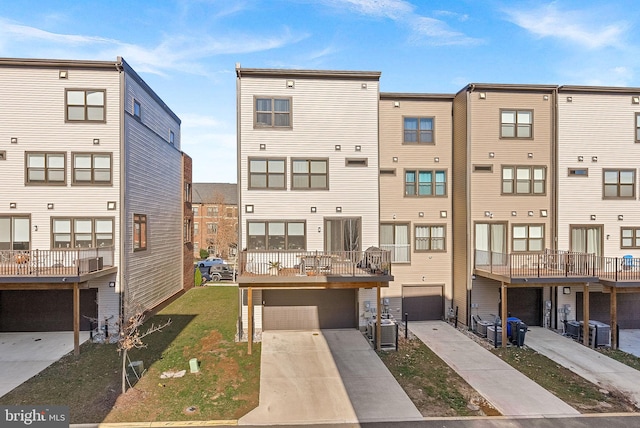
509, 321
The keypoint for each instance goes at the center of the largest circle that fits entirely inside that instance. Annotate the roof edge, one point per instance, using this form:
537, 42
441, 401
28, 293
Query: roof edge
66, 63
334, 74
415, 96
600, 89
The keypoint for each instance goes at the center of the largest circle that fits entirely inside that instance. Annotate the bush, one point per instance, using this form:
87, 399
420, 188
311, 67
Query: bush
197, 278
204, 253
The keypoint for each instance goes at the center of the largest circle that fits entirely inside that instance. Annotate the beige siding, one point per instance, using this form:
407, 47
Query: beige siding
395, 206
153, 173
325, 113
600, 125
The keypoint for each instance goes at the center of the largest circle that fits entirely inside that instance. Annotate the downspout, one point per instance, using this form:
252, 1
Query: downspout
239, 256
470, 236
554, 198
122, 209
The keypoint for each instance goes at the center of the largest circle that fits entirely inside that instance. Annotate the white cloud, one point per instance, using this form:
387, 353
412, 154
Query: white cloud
580, 27
438, 33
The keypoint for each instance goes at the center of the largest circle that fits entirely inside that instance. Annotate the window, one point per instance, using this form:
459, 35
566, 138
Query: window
172, 138
212, 211
309, 174
516, 123
395, 238
630, 237
483, 168
425, 183
196, 210
578, 172
139, 232
92, 168
276, 235
187, 192
637, 127
266, 173
136, 109
524, 180
186, 230
196, 228
430, 237
231, 212
273, 113
15, 233
212, 228
85, 105
356, 162
343, 234
81, 232
418, 130
528, 237
619, 183
46, 168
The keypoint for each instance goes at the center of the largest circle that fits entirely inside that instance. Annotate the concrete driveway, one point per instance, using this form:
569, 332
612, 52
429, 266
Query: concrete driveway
630, 341
325, 376
23, 355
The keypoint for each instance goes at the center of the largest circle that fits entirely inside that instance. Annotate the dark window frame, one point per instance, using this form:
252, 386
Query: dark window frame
266, 236
273, 113
267, 174
531, 180
309, 174
433, 183
137, 109
618, 184
93, 169
418, 131
85, 106
527, 239
72, 232
46, 169
430, 240
13, 244
516, 125
395, 239
635, 237
140, 232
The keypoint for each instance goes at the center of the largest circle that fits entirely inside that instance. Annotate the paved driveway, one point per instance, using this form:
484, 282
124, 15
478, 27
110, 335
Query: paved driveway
325, 376
23, 355
630, 341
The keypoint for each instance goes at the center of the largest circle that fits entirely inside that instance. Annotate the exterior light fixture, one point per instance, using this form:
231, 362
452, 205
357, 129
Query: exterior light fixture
514, 213
593, 216
436, 159
263, 147
421, 214
338, 147
96, 141
248, 209
530, 213
63, 74
482, 95
544, 213
594, 158
49, 206
620, 217
313, 209
111, 205
443, 214
14, 140
358, 148
580, 158
395, 159
492, 155
338, 209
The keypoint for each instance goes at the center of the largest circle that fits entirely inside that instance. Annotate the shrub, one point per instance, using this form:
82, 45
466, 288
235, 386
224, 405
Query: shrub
204, 253
197, 278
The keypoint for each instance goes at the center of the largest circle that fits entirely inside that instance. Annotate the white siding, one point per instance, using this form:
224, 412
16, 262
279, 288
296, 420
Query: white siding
153, 176
324, 113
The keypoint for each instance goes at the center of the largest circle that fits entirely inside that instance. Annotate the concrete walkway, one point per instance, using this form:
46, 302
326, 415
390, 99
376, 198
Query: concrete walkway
591, 365
630, 341
325, 376
508, 390
24, 355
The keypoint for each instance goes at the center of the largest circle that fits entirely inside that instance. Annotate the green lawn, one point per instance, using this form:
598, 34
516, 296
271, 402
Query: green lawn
203, 326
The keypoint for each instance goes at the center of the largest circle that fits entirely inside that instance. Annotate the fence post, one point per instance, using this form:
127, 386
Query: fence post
456, 321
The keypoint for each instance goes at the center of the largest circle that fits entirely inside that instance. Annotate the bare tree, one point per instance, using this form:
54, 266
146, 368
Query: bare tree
131, 337
224, 234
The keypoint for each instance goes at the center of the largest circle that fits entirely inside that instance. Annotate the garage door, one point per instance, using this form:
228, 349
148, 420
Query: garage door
526, 304
308, 309
628, 304
423, 303
45, 310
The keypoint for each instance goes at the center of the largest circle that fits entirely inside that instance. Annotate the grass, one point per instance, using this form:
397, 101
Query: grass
579, 393
434, 388
203, 327
621, 356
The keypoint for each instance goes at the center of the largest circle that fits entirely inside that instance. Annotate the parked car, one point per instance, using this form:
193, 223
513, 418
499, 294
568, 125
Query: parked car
224, 272
204, 272
210, 261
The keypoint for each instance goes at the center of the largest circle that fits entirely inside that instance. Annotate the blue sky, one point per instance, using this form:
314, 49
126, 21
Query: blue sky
187, 49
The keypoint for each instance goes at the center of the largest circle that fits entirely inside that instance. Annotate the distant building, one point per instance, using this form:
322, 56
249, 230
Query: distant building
92, 197
215, 219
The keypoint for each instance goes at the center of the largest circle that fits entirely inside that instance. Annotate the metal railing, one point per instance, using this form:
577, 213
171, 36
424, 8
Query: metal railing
55, 262
558, 263
313, 263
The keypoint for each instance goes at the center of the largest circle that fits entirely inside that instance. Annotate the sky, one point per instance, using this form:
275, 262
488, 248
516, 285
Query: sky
186, 50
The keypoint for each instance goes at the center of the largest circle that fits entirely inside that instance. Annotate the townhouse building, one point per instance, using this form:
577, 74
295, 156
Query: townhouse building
415, 202
215, 212
94, 194
309, 199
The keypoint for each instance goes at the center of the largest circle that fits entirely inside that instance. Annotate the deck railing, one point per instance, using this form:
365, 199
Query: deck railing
313, 263
558, 263
55, 262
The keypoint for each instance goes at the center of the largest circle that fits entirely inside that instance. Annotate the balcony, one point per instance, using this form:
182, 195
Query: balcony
314, 266
557, 266
54, 265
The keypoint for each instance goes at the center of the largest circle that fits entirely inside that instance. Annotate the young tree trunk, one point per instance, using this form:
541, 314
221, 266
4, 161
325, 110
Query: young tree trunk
124, 371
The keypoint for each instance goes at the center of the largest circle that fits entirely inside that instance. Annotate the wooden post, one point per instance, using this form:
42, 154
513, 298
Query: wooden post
504, 313
249, 320
585, 313
76, 319
378, 318
613, 308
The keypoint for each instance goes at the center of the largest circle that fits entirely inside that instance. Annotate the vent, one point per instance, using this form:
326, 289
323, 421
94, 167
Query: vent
483, 168
578, 172
391, 171
356, 162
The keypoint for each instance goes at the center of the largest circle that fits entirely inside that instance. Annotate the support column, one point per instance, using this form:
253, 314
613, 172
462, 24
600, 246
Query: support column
503, 315
378, 318
249, 320
76, 319
585, 313
613, 310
